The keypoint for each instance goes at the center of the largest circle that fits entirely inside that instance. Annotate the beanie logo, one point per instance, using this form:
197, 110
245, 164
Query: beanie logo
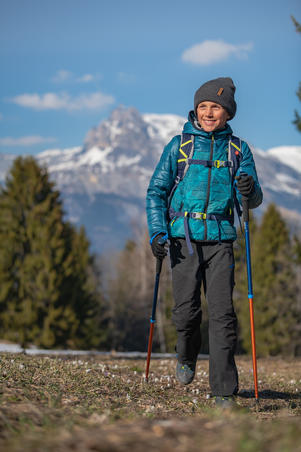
220, 91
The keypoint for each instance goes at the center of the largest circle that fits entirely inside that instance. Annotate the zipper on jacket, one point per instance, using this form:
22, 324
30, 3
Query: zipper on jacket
208, 186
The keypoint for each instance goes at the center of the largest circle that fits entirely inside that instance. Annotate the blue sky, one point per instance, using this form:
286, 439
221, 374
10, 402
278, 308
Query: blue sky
66, 64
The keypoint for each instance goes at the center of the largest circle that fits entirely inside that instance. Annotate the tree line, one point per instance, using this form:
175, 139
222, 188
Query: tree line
55, 294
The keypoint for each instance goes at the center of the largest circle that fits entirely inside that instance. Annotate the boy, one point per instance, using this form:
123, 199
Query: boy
196, 213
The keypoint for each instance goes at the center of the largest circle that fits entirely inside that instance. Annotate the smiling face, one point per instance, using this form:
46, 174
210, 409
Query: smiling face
211, 116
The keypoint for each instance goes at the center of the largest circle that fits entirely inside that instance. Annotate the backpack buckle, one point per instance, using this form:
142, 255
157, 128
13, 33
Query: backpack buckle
218, 163
199, 215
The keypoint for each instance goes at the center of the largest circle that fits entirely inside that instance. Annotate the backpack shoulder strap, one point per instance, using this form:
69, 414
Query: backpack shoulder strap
185, 153
235, 155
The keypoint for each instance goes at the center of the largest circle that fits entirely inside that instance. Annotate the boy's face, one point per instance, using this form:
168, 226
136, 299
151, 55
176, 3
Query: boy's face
211, 116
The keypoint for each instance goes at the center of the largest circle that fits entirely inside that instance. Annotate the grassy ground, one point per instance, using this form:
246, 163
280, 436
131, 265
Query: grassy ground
100, 404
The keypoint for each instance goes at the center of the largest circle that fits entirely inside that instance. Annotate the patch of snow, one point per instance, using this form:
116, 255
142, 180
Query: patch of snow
62, 166
74, 219
115, 130
286, 184
289, 155
68, 162
10, 348
49, 153
94, 155
126, 161
163, 127
257, 151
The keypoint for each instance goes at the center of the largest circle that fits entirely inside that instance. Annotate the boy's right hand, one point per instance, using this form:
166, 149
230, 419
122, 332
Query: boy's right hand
158, 249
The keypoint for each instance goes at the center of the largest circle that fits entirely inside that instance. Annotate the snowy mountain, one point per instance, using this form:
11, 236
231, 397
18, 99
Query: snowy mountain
289, 155
103, 182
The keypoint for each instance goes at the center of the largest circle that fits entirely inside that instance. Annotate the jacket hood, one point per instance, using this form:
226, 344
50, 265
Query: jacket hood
193, 127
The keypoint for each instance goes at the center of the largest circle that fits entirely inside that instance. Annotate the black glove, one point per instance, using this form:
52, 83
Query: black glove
245, 184
158, 249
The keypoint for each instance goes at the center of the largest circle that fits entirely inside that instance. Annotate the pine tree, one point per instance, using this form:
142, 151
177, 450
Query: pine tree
297, 249
86, 289
45, 297
297, 120
275, 308
297, 262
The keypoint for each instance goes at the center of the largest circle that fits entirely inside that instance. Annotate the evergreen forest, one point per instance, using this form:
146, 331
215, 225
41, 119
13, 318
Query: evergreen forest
54, 293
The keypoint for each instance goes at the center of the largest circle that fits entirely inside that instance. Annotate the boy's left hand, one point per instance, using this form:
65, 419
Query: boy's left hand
245, 184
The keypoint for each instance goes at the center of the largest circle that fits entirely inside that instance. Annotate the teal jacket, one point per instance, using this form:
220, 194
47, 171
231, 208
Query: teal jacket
203, 189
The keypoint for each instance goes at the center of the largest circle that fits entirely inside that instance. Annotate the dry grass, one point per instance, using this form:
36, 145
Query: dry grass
99, 404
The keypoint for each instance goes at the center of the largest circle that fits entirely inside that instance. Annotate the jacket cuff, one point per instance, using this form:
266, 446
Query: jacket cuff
157, 233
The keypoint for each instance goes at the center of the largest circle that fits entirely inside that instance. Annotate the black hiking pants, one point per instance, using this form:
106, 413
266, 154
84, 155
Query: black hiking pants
213, 266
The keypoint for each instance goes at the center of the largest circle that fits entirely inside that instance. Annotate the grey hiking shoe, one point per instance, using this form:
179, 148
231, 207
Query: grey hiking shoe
185, 373
225, 401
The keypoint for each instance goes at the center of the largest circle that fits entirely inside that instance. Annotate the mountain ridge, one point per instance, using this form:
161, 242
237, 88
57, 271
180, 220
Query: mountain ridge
103, 182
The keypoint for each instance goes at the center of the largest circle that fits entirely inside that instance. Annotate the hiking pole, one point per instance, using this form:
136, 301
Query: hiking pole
153, 317
245, 210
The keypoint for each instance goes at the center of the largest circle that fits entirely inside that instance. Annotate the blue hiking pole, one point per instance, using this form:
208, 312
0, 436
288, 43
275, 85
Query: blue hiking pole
153, 317
245, 210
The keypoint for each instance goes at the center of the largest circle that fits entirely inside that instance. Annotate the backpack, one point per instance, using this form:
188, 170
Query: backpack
183, 163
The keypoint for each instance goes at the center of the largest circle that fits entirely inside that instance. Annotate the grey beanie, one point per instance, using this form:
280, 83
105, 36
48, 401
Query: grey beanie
221, 91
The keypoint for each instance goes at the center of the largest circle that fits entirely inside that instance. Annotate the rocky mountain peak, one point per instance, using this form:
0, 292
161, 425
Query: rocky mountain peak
124, 129
125, 115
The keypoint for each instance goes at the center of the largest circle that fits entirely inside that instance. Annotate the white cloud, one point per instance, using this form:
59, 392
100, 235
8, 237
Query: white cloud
62, 76
25, 141
86, 78
63, 101
124, 77
210, 52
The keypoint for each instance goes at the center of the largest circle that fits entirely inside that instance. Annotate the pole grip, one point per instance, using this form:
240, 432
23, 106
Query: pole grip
161, 241
245, 209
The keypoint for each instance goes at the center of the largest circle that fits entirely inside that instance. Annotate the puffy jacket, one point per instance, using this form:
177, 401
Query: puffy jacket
203, 189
